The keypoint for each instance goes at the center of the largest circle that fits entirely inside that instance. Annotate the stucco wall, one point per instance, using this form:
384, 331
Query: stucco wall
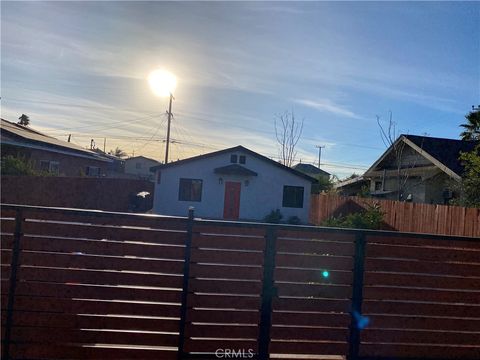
144, 171
263, 193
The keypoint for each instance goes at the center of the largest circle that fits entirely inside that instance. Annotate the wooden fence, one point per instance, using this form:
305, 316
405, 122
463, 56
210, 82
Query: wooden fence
402, 216
80, 284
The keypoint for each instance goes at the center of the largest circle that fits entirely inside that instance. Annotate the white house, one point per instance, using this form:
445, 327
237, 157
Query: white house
234, 183
140, 166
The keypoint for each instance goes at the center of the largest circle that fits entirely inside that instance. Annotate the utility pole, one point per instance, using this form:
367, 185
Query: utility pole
168, 127
320, 147
104, 143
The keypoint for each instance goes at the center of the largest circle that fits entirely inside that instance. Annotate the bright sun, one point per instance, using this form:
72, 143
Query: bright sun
162, 82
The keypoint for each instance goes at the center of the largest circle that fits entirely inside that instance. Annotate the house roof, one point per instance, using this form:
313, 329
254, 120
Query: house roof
142, 157
310, 169
233, 149
18, 135
443, 153
352, 181
447, 151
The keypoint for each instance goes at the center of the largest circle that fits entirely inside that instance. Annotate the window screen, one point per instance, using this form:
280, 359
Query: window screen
293, 196
190, 190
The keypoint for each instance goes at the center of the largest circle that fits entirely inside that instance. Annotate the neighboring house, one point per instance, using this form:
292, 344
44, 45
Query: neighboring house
234, 183
49, 154
311, 170
429, 169
140, 167
352, 187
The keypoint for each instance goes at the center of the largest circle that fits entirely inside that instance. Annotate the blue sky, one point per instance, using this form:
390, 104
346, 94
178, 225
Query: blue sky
81, 68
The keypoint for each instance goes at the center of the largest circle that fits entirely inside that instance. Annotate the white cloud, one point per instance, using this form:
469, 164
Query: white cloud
326, 105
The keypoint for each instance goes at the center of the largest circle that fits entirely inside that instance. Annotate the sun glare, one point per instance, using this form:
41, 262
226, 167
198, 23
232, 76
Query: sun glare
162, 82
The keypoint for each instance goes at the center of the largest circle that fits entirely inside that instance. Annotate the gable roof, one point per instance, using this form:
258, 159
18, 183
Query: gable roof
310, 169
19, 135
233, 149
443, 153
142, 157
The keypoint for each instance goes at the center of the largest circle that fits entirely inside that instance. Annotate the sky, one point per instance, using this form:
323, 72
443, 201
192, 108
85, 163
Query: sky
81, 68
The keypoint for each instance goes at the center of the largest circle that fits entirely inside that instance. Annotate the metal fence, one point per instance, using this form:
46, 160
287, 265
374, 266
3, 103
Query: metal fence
81, 284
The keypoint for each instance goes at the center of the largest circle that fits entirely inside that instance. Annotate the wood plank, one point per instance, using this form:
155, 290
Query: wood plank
297, 347
7, 226
202, 345
228, 242
223, 316
314, 290
36, 351
99, 277
74, 306
314, 262
412, 280
72, 321
221, 331
311, 319
333, 235
102, 247
419, 337
225, 287
299, 333
422, 267
106, 232
56, 290
423, 323
423, 253
227, 229
313, 276
405, 239
417, 294
420, 309
311, 305
64, 336
226, 257
224, 301
424, 352
226, 272
6, 256
98, 217
92, 262
315, 247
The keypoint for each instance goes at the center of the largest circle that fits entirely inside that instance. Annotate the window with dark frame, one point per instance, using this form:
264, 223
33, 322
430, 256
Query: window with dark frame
378, 185
190, 190
293, 196
233, 159
242, 159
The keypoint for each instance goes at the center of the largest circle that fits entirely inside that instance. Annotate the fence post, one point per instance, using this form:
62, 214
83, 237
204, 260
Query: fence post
186, 276
13, 283
357, 296
268, 292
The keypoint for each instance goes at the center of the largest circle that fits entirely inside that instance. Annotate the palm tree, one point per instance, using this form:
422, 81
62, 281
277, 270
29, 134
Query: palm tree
472, 127
118, 153
24, 120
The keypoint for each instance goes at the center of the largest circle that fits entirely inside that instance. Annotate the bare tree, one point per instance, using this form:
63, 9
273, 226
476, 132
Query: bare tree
287, 131
389, 135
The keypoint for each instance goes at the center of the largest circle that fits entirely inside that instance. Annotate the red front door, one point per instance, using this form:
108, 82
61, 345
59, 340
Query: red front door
231, 207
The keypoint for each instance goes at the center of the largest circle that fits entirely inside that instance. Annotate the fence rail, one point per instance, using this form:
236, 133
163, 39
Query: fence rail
83, 284
402, 216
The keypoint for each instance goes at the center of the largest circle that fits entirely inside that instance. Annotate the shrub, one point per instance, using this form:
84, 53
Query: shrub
294, 220
274, 217
12, 165
370, 218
